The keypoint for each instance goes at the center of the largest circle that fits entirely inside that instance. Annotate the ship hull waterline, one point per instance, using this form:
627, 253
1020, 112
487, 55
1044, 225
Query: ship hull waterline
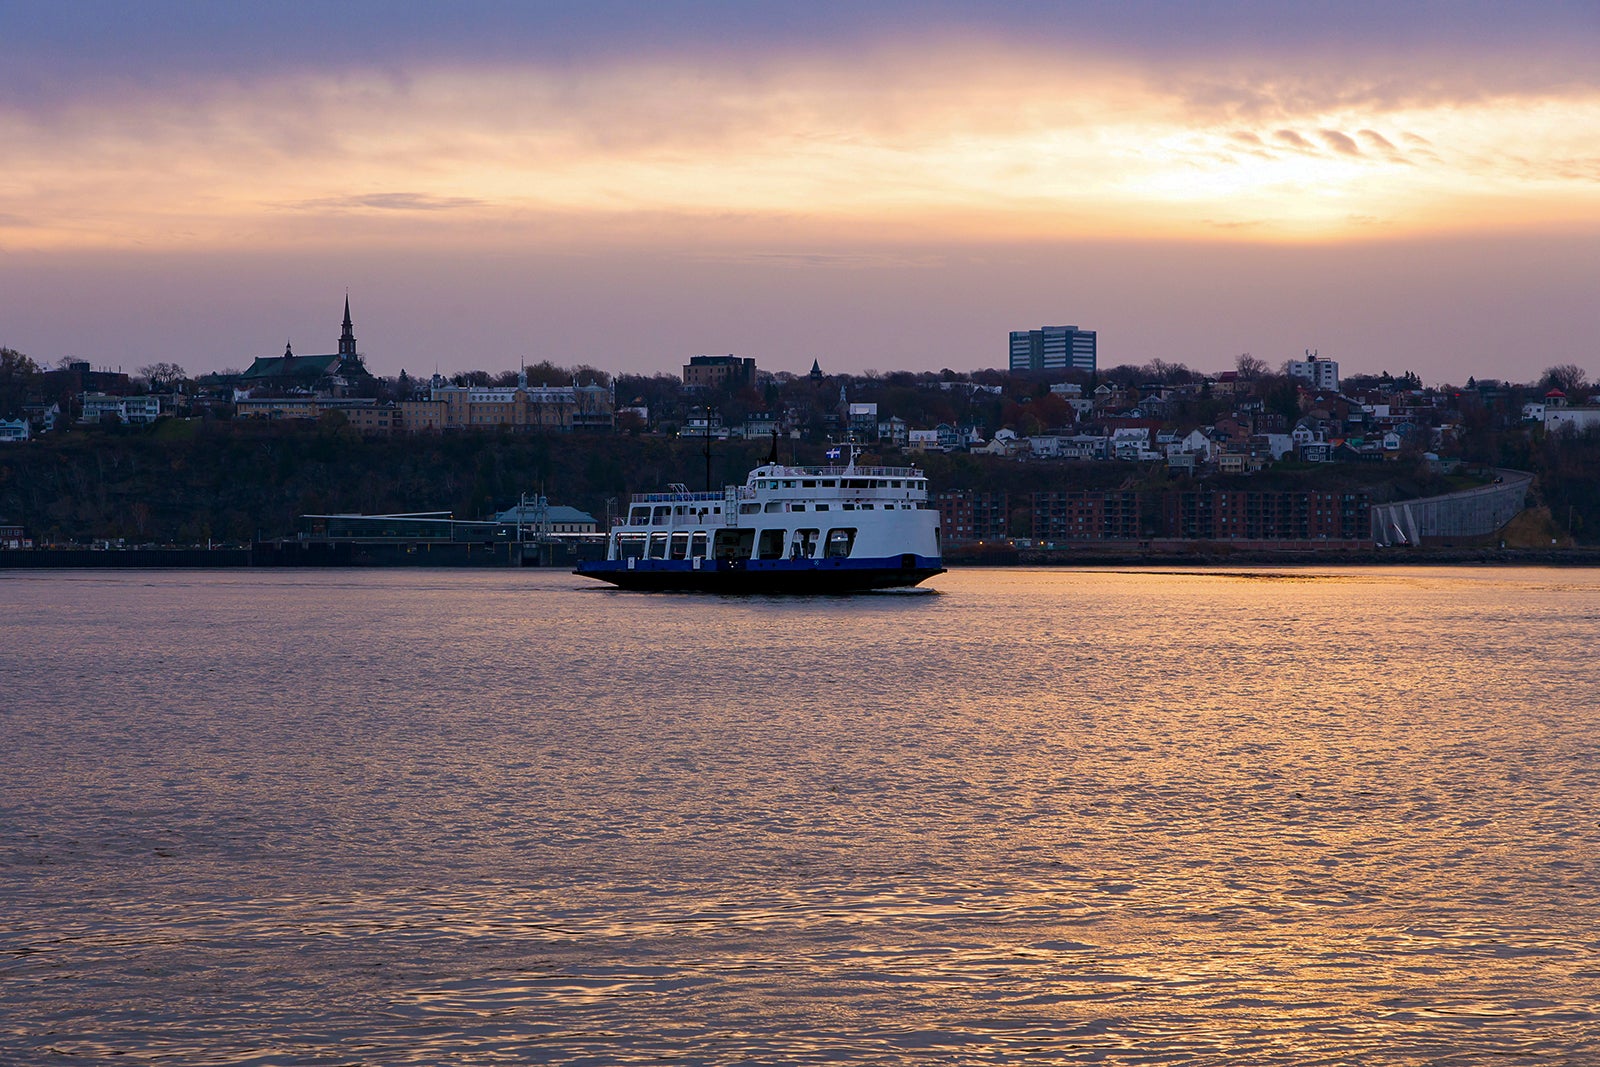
828, 576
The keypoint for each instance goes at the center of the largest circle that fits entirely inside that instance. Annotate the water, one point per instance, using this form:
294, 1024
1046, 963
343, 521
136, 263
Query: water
1035, 816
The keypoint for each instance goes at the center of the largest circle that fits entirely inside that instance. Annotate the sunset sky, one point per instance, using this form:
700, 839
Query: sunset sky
874, 185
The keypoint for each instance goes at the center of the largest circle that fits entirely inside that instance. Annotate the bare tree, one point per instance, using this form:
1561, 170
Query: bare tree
1159, 370
1249, 367
162, 375
1567, 377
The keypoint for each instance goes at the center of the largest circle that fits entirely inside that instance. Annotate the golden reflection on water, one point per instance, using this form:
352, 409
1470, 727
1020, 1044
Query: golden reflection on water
1062, 816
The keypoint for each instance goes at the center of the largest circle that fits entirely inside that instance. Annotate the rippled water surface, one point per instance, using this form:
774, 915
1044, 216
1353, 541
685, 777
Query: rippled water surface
1039, 816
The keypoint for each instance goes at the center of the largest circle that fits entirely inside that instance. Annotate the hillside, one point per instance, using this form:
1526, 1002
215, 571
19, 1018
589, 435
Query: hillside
187, 481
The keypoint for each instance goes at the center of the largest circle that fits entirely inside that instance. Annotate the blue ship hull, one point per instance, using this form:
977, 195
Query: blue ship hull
764, 576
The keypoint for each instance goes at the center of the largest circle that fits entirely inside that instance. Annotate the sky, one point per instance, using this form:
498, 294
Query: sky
874, 185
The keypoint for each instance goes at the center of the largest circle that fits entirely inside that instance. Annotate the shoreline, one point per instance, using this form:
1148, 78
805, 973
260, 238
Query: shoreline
1201, 557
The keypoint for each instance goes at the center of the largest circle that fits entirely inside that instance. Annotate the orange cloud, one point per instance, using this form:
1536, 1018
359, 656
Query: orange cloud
958, 144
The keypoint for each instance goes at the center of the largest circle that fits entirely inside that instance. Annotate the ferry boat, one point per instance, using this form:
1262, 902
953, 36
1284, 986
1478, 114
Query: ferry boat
788, 529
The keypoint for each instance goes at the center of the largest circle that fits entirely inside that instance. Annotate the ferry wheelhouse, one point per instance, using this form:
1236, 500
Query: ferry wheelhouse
786, 530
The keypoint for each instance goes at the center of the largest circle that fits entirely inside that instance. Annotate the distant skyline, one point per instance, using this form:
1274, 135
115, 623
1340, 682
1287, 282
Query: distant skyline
875, 186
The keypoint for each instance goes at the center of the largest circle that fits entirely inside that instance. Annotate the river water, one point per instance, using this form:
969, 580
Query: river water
1042, 816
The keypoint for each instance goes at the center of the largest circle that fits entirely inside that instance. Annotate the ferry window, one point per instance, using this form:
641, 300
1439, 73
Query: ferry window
866, 507
774, 505
717, 510
805, 544
789, 484
749, 509
658, 546
797, 507
827, 483
895, 484
680, 545
734, 544
771, 546
697, 546
840, 542
822, 507
809, 483
680, 510
639, 517
630, 546
849, 507
660, 518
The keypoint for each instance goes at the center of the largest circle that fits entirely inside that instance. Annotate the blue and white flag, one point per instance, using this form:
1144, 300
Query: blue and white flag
833, 453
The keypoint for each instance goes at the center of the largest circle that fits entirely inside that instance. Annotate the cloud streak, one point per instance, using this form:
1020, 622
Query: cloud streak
389, 202
962, 144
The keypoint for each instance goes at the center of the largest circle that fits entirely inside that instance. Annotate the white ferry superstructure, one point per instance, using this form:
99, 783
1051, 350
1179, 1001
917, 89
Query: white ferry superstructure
786, 530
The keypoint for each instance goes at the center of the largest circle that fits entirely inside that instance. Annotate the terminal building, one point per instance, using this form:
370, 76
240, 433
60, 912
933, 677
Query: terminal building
1053, 348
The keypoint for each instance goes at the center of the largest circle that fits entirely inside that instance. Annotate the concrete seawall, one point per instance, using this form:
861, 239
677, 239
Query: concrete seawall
1469, 513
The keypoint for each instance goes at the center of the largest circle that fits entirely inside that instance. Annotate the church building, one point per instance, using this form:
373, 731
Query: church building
333, 373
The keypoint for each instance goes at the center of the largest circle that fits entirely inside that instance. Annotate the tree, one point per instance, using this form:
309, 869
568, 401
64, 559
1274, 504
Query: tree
1249, 367
163, 375
18, 374
1567, 377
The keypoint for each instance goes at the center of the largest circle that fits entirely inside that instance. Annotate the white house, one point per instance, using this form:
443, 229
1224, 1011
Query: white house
1193, 443
13, 430
894, 430
1580, 419
133, 409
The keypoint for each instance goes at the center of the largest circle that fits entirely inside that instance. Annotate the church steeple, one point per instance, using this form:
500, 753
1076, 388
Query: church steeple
347, 337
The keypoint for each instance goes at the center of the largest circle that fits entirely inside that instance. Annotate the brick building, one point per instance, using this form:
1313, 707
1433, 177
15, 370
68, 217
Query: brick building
973, 516
1087, 515
1218, 515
